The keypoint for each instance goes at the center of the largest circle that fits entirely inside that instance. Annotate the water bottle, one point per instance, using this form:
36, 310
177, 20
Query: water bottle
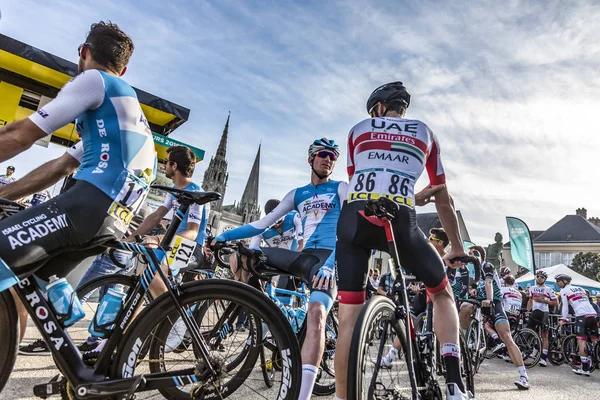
300, 316
291, 313
107, 313
64, 300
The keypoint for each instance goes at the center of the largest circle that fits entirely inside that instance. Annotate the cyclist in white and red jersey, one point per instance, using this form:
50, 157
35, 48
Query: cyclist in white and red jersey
585, 318
511, 300
386, 155
541, 296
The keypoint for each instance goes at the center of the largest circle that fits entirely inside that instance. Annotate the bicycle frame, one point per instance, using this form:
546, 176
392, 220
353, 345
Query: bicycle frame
90, 381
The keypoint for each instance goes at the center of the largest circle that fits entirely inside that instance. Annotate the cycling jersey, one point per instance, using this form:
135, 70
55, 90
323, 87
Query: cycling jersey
319, 208
5, 180
511, 301
39, 198
459, 280
489, 272
195, 213
386, 283
576, 297
542, 292
118, 163
291, 232
386, 156
118, 148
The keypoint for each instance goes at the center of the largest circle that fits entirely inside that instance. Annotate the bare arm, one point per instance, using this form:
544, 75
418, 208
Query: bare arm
489, 290
17, 137
191, 231
40, 178
150, 222
445, 209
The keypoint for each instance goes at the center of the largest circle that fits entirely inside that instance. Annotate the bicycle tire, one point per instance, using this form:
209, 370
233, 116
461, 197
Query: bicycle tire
468, 375
266, 364
9, 326
555, 352
530, 346
321, 388
378, 310
475, 354
191, 293
571, 352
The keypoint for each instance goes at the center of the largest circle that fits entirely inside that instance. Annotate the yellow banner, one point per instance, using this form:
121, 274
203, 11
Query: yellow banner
354, 196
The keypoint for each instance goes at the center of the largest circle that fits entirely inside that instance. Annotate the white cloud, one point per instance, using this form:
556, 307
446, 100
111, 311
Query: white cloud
510, 88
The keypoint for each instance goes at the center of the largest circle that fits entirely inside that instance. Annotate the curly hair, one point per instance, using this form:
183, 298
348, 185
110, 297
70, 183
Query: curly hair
109, 46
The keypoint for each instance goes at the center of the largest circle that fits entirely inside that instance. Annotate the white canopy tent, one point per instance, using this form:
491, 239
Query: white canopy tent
578, 280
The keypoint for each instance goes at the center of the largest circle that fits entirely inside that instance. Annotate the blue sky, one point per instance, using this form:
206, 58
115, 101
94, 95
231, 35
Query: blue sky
510, 88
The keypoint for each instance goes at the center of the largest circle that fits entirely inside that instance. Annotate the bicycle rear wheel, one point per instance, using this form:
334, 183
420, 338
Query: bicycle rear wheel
367, 378
571, 353
530, 345
155, 324
9, 336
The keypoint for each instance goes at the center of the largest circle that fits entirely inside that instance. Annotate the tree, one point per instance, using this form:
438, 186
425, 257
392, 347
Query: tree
587, 264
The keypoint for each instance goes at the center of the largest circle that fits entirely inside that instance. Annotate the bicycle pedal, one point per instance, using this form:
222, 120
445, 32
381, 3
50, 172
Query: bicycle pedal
51, 388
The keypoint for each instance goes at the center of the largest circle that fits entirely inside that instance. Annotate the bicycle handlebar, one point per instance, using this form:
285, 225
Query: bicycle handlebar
241, 249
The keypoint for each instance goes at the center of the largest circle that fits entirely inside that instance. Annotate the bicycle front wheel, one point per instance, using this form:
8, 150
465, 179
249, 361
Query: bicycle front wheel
555, 353
476, 344
9, 336
186, 364
530, 345
572, 356
374, 334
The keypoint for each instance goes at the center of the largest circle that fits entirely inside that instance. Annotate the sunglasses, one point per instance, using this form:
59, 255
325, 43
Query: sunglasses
434, 239
81, 46
372, 111
325, 154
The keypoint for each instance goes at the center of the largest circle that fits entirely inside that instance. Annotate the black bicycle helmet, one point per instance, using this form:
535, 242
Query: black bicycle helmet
270, 205
562, 277
393, 91
509, 280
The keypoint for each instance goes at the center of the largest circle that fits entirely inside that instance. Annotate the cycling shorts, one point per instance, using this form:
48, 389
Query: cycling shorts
357, 235
538, 318
54, 237
586, 326
290, 261
495, 314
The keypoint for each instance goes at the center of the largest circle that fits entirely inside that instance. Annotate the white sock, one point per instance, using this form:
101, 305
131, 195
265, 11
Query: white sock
392, 353
309, 376
338, 398
522, 371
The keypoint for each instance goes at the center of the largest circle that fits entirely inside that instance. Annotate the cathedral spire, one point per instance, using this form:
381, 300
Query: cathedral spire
223, 143
250, 196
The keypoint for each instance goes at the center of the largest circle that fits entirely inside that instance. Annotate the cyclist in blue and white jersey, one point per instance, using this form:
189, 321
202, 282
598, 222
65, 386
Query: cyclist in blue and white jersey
179, 167
286, 233
318, 204
118, 165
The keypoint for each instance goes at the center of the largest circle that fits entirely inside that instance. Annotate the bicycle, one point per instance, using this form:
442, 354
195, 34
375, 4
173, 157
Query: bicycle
113, 375
367, 378
570, 348
527, 340
260, 269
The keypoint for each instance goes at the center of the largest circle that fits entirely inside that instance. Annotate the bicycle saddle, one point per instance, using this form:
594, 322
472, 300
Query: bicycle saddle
382, 207
189, 197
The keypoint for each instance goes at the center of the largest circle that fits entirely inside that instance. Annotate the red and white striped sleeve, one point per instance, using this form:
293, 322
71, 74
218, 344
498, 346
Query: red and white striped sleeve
435, 169
350, 166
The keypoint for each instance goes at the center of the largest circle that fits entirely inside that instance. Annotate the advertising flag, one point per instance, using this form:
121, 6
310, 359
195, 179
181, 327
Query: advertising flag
521, 246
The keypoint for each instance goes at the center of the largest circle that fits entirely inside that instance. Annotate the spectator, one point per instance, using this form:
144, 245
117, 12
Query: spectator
8, 178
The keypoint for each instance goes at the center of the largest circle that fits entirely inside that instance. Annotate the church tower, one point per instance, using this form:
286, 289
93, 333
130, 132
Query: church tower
248, 207
216, 176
